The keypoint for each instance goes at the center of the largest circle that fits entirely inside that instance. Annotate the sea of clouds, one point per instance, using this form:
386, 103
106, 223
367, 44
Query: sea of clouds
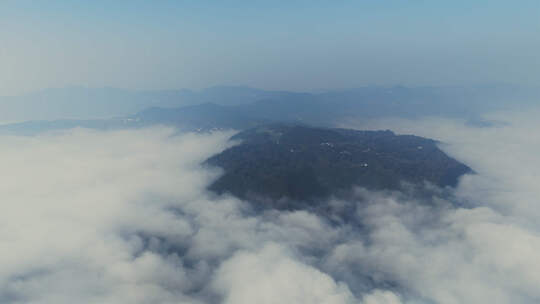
124, 217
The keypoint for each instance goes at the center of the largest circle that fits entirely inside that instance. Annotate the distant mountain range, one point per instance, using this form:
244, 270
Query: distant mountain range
77, 102
242, 107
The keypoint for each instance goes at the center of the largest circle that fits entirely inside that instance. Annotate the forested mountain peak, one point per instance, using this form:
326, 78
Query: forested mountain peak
303, 163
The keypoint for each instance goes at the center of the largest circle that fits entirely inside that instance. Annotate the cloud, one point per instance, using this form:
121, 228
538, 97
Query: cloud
85, 214
381, 297
504, 155
124, 217
483, 253
273, 276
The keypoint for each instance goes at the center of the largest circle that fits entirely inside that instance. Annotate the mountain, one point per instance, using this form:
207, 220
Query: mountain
330, 108
241, 108
78, 102
298, 165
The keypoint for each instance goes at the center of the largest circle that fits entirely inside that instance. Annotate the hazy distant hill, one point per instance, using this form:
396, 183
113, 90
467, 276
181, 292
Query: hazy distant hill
303, 163
90, 103
327, 109
241, 107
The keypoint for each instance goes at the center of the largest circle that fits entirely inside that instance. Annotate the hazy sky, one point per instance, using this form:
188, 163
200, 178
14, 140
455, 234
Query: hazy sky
296, 45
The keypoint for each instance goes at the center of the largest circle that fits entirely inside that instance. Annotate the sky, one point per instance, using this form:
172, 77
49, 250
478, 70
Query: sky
289, 45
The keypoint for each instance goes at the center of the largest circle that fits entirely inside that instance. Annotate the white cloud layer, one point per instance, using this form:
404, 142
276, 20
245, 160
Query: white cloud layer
75, 207
483, 254
123, 217
272, 276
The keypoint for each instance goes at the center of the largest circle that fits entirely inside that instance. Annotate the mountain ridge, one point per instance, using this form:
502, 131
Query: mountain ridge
241, 108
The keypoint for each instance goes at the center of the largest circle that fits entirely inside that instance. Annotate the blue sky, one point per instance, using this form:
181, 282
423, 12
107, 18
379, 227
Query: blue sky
294, 45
